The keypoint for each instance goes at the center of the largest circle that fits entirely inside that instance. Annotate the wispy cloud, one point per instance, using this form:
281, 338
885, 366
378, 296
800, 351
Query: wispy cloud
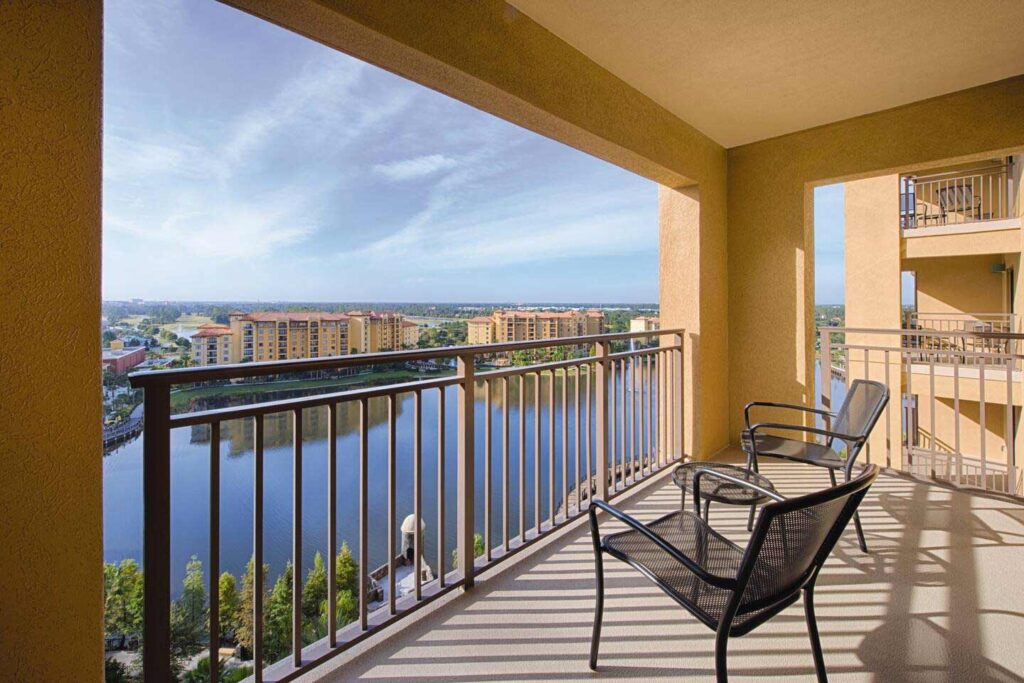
412, 169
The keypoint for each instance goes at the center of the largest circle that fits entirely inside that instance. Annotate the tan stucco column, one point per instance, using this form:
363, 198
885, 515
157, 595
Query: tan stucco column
694, 295
51, 501
872, 277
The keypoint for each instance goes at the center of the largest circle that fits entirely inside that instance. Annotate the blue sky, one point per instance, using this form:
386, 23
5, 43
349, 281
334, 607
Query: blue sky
243, 162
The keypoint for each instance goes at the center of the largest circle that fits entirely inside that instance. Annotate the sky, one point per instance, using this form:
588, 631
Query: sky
828, 249
243, 162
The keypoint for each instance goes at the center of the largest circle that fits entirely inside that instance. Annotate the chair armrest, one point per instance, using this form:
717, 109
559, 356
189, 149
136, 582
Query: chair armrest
735, 480
789, 406
800, 428
719, 581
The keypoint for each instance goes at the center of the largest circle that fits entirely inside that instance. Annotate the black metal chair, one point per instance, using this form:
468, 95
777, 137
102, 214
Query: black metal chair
734, 590
852, 425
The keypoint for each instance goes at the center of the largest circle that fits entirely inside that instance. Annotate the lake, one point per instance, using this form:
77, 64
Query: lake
190, 500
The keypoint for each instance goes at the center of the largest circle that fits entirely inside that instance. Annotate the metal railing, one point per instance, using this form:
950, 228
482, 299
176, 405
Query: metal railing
956, 390
978, 194
995, 325
624, 409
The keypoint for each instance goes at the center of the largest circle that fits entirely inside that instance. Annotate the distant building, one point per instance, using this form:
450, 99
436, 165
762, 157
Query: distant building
373, 331
116, 344
644, 324
506, 326
480, 330
211, 345
410, 333
288, 335
120, 361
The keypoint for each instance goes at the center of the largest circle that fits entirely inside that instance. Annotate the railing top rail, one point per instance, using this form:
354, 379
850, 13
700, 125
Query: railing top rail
239, 370
956, 174
949, 314
923, 333
903, 350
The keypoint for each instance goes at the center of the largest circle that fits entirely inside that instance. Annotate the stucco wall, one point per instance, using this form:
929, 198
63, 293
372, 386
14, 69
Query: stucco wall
771, 241
51, 540
963, 284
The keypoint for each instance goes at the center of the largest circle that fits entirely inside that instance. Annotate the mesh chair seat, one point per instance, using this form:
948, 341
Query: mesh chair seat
689, 534
794, 449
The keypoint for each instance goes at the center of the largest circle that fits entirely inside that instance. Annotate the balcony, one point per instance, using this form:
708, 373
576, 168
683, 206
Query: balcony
933, 601
959, 197
595, 425
961, 392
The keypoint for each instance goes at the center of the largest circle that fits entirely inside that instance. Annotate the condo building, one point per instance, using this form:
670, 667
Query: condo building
410, 334
373, 331
644, 323
288, 335
506, 326
211, 345
933, 268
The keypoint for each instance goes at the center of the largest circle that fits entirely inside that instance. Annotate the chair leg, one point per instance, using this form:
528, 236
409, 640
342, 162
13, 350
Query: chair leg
595, 638
750, 518
721, 644
832, 475
856, 520
707, 508
812, 629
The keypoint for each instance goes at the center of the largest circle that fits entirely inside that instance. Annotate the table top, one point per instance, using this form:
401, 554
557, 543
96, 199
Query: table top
720, 490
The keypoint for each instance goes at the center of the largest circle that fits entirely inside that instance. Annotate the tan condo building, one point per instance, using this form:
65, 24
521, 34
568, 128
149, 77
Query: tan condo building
410, 334
211, 345
933, 269
373, 331
506, 326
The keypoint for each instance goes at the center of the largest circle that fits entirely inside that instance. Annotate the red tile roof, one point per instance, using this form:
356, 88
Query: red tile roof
292, 316
480, 319
211, 330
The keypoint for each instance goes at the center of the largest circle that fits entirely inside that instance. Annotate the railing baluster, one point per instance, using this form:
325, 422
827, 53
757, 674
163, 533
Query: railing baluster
565, 446
505, 456
981, 420
440, 488
551, 451
603, 368
536, 453
257, 548
1011, 478
466, 526
488, 484
297, 537
589, 433
662, 432
522, 458
392, 497
624, 402
631, 384
579, 441
956, 419
364, 507
417, 492
612, 424
156, 542
214, 550
678, 390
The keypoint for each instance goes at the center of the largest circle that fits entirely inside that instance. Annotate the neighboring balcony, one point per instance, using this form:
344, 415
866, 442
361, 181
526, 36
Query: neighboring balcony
958, 416
964, 211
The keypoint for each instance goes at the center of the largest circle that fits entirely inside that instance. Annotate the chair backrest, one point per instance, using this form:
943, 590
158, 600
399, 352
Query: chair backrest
793, 538
861, 409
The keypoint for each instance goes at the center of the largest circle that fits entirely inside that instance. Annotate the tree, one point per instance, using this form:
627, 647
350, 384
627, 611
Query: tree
123, 600
229, 603
346, 570
115, 672
246, 625
277, 642
188, 613
478, 549
314, 597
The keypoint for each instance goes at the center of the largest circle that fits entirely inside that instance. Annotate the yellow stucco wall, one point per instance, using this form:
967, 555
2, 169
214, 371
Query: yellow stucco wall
963, 284
771, 242
51, 579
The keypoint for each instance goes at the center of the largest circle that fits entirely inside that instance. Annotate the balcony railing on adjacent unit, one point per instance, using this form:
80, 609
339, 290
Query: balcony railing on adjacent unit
958, 407
622, 409
992, 329
978, 194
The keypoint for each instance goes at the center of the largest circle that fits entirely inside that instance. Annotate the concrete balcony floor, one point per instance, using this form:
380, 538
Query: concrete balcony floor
939, 598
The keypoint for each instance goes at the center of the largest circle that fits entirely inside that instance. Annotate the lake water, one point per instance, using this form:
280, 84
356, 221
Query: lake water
190, 499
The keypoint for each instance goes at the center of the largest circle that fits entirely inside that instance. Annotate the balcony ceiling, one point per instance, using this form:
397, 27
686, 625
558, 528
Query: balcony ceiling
742, 71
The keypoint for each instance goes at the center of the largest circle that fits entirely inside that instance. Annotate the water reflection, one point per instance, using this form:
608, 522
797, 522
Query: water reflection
190, 495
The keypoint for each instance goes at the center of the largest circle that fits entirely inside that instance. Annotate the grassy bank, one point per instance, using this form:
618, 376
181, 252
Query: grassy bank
181, 398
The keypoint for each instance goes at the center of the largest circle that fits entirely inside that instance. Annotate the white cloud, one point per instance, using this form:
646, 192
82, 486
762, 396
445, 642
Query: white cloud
411, 169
